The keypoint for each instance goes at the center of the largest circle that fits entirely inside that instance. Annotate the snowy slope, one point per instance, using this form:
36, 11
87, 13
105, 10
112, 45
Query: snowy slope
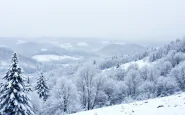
172, 105
140, 64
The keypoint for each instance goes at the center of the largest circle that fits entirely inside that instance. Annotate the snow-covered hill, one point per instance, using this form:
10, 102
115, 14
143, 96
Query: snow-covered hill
28, 64
172, 105
120, 49
51, 57
140, 64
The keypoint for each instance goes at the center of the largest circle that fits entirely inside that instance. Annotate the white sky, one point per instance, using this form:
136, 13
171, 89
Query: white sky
115, 19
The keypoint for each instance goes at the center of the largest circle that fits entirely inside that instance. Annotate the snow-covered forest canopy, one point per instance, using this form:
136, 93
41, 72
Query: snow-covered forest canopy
55, 88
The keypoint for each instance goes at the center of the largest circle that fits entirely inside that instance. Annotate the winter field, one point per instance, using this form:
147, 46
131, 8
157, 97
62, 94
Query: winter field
171, 105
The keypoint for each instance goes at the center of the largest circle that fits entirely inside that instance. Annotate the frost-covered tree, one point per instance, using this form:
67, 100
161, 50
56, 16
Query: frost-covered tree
164, 67
99, 96
133, 66
165, 86
179, 74
42, 88
14, 99
111, 91
120, 74
64, 98
146, 90
144, 72
132, 81
88, 85
153, 74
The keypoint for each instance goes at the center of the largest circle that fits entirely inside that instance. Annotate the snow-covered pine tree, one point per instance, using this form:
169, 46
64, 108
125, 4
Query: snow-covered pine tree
14, 99
28, 85
42, 88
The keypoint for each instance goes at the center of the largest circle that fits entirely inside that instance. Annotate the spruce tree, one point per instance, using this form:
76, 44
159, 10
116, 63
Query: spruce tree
14, 99
28, 85
42, 88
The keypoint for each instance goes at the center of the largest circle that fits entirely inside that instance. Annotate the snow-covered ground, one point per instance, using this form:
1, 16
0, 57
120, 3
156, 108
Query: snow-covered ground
172, 105
44, 49
52, 57
140, 63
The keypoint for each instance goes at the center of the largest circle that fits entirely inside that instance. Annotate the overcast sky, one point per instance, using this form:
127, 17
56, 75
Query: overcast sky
114, 19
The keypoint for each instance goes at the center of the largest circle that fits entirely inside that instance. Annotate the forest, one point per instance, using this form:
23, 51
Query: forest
94, 84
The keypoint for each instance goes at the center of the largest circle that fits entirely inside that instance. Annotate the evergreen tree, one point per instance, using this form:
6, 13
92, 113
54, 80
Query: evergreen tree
28, 85
42, 88
14, 99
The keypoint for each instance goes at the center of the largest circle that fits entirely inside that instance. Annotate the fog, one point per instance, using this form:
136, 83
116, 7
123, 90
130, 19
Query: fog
129, 20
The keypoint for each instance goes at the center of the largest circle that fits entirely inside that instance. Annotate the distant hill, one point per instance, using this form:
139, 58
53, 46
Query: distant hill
28, 64
120, 49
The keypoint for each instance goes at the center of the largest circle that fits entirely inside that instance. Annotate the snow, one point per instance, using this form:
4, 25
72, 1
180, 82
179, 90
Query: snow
82, 44
66, 46
172, 105
51, 57
112, 42
125, 66
44, 49
105, 42
140, 63
12, 96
